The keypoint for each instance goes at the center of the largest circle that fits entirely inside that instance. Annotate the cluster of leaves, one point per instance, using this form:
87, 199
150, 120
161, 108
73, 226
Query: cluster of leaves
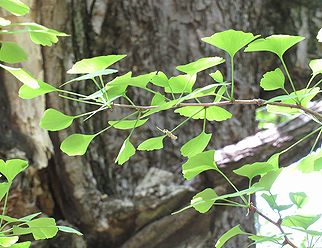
11, 229
179, 93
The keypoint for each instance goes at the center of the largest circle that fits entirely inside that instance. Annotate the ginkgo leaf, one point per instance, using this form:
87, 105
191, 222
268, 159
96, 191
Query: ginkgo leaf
127, 124
15, 7
158, 99
213, 113
127, 150
200, 65
277, 44
255, 169
10, 52
217, 76
230, 40
204, 200
273, 80
303, 221
181, 84
92, 65
8, 241
160, 79
151, 144
23, 76
266, 182
299, 198
26, 92
316, 66
271, 201
199, 163
228, 235
53, 120
196, 145
76, 144
68, 229
11, 168
140, 81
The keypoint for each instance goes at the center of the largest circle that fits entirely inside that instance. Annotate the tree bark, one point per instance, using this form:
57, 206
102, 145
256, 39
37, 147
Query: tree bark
130, 206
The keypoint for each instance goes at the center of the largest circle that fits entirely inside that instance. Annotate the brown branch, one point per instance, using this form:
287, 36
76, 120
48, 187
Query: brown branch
278, 224
258, 102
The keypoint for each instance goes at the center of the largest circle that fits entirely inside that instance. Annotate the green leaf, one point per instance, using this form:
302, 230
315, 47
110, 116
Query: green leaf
271, 200
158, 99
255, 169
230, 40
228, 235
26, 92
204, 200
200, 65
42, 228
127, 150
68, 229
162, 107
53, 120
139, 81
266, 182
8, 241
303, 221
10, 52
11, 168
273, 80
4, 188
217, 76
95, 64
274, 161
181, 84
199, 163
21, 245
76, 144
307, 97
316, 66
213, 113
310, 163
15, 7
151, 144
220, 93
23, 76
160, 79
277, 44
299, 198
91, 75
262, 239
127, 124
195, 145
29, 217
208, 90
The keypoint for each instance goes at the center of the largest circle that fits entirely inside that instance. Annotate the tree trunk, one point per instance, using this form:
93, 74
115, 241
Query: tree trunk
130, 206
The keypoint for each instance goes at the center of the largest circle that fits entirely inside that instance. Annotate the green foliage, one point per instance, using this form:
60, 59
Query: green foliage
196, 145
213, 113
200, 65
127, 150
299, 199
273, 80
204, 200
53, 120
10, 52
15, 7
151, 144
228, 235
76, 144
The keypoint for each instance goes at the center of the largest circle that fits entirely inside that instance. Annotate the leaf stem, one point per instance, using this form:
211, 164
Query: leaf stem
232, 78
4, 207
289, 78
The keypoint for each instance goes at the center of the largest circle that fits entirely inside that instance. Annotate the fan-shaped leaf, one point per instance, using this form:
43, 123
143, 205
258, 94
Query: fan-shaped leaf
151, 144
53, 120
299, 199
228, 235
76, 144
303, 221
127, 124
11, 168
217, 76
26, 92
8, 241
316, 66
255, 169
181, 84
230, 40
196, 145
10, 52
200, 65
15, 7
127, 150
213, 113
204, 200
273, 80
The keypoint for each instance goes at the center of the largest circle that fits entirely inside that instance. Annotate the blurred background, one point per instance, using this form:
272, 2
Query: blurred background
130, 206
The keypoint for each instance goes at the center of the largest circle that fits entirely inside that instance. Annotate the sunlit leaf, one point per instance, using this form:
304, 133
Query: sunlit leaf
26, 244
316, 66
30, 217
26, 92
95, 64
127, 150
162, 107
8, 241
217, 76
127, 124
262, 239
158, 99
199, 163
213, 113
11, 168
303, 221
42, 228
140, 81
220, 93
10, 52
160, 79
200, 65
230, 40
15, 7
4, 187
277, 44
151, 144
195, 145
53, 120
228, 235
181, 84
266, 182
255, 169
23, 76
271, 201
299, 198
273, 80
76, 144
68, 229
204, 200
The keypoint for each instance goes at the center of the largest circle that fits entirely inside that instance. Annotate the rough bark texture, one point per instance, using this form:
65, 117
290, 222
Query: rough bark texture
130, 206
